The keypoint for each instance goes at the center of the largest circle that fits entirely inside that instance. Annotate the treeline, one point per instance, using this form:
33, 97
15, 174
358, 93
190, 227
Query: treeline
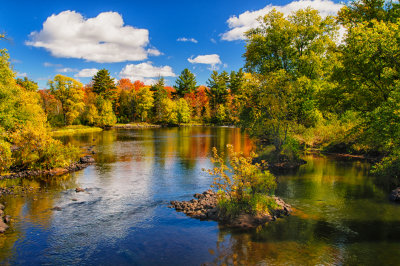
105, 102
312, 88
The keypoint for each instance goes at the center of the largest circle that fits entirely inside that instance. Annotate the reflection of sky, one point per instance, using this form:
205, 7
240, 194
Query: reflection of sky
123, 213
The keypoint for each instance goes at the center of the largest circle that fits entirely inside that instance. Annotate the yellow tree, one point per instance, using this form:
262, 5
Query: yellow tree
70, 93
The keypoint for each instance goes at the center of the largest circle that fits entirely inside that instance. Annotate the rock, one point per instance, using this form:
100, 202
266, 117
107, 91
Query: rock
79, 189
88, 159
56, 208
3, 226
7, 219
204, 207
395, 195
74, 199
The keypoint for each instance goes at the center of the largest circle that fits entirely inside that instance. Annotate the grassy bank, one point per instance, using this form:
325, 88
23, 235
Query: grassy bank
76, 129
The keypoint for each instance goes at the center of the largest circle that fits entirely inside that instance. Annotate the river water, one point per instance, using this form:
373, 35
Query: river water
342, 215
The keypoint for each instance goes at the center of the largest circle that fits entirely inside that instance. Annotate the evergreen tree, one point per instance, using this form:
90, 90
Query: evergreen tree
185, 83
104, 85
218, 84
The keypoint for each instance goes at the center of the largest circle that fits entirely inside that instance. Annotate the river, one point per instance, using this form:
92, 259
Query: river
342, 215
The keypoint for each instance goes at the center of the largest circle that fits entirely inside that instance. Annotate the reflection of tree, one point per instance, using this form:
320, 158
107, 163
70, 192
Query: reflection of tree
33, 207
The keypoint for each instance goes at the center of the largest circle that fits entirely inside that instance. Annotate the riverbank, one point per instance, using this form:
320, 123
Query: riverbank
205, 207
83, 162
71, 130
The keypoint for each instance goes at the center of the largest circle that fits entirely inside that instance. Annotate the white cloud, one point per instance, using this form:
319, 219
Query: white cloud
47, 64
22, 75
86, 73
103, 39
213, 40
67, 69
210, 59
183, 39
145, 71
248, 20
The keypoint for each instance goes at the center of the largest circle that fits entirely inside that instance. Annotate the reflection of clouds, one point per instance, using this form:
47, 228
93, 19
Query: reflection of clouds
116, 201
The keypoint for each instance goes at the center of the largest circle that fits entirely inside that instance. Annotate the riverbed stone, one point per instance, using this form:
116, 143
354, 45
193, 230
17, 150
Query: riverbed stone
395, 195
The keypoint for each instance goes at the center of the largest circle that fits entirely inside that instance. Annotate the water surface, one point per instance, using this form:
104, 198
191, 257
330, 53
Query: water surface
341, 216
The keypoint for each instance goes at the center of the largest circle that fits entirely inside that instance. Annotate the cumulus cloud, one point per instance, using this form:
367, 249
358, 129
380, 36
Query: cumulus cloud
238, 25
102, 39
183, 39
86, 73
210, 59
145, 71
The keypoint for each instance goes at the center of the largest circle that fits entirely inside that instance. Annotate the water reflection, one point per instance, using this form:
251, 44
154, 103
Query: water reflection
341, 215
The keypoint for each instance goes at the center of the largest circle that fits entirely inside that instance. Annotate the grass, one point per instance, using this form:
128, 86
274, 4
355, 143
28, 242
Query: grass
74, 129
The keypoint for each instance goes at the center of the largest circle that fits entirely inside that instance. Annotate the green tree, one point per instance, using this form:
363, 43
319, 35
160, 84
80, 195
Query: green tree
185, 83
159, 95
70, 93
236, 80
218, 84
301, 44
104, 85
360, 11
369, 64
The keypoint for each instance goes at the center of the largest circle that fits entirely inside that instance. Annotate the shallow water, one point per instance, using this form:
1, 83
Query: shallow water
342, 216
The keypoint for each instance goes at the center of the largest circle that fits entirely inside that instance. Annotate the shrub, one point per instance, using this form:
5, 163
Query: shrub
242, 186
5, 155
389, 166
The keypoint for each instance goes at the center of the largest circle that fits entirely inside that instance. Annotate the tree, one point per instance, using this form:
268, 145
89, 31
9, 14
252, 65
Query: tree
301, 44
369, 64
23, 126
125, 84
185, 83
236, 80
27, 84
218, 84
169, 114
360, 11
270, 113
145, 102
183, 111
70, 93
104, 85
106, 116
159, 95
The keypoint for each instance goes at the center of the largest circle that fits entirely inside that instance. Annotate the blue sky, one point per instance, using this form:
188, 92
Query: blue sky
133, 39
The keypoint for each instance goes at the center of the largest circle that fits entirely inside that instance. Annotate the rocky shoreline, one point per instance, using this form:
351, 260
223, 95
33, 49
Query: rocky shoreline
4, 220
204, 207
83, 162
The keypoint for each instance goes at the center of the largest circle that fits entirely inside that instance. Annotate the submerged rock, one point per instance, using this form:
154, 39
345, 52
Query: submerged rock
79, 189
56, 208
395, 195
3, 220
204, 207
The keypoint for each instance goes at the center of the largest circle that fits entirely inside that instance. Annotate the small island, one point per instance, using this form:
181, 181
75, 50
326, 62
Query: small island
243, 197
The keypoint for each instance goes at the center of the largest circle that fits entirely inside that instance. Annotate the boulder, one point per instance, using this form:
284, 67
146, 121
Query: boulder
79, 189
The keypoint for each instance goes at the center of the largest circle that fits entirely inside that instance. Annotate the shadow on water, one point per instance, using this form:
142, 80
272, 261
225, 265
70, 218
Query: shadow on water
341, 215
